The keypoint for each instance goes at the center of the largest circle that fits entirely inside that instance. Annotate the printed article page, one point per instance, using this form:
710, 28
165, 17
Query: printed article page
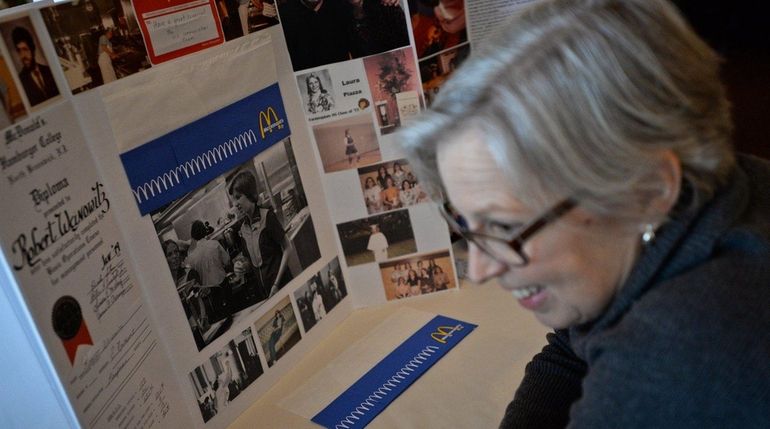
486, 16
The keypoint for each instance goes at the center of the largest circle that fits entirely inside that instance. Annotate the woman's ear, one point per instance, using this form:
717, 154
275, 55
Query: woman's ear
669, 178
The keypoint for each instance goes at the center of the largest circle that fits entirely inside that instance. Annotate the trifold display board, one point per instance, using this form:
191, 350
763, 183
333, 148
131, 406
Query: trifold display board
194, 193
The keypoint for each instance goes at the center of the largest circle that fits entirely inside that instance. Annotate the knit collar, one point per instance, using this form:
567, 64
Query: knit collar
683, 242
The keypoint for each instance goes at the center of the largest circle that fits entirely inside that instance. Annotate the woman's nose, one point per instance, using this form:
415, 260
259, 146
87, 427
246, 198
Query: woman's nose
481, 266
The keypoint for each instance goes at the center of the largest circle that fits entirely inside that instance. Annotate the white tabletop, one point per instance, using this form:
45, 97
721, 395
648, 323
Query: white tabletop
486, 367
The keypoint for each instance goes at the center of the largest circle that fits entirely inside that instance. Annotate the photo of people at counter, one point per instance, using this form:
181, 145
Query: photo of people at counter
238, 240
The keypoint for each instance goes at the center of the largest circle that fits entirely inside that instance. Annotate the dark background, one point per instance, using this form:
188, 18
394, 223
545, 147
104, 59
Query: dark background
740, 32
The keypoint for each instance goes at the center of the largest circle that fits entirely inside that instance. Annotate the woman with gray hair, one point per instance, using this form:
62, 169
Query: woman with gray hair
585, 154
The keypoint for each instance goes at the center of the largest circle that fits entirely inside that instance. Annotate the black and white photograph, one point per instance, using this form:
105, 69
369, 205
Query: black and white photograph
377, 238
238, 240
226, 374
317, 92
418, 275
320, 294
278, 331
97, 41
390, 185
347, 143
28, 60
320, 32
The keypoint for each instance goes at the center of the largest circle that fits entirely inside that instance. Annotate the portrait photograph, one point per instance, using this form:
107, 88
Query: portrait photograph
347, 143
320, 294
390, 185
418, 275
28, 61
377, 238
330, 31
395, 85
96, 41
237, 241
437, 25
278, 331
435, 70
317, 92
11, 107
226, 374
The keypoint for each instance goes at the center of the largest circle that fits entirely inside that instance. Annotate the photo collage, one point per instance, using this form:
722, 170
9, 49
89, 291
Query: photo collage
230, 370
100, 41
235, 242
360, 80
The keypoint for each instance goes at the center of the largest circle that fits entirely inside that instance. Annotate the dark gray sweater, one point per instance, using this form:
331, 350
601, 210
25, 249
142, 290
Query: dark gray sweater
685, 343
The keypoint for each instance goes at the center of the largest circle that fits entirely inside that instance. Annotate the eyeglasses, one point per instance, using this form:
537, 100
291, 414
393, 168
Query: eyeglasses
508, 249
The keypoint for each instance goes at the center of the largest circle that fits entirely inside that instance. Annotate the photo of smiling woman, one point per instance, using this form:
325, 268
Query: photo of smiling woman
585, 153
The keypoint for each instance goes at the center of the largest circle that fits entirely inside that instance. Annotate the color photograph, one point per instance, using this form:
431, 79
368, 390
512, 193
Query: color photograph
390, 185
437, 25
97, 41
395, 85
242, 17
278, 331
226, 374
418, 275
347, 143
377, 238
437, 69
11, 107
237, 241
30, 64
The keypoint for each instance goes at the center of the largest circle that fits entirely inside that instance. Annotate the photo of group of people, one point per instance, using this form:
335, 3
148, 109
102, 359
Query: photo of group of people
320, 294
97, 41
395, 86
236, 241
27, 69
390, 185
347, 143
241, 17
377, 238
226, 374
320, 32
417, 275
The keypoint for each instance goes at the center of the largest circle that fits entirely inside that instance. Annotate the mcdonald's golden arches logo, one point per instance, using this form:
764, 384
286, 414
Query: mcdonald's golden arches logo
269, 121
443, 332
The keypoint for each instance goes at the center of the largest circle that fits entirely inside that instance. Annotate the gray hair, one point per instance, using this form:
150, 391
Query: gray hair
578, 98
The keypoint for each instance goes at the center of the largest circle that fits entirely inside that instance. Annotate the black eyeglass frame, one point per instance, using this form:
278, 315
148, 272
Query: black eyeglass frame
517, 239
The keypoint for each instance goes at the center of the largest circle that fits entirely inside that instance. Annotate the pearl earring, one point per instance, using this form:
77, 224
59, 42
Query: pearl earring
648, 234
